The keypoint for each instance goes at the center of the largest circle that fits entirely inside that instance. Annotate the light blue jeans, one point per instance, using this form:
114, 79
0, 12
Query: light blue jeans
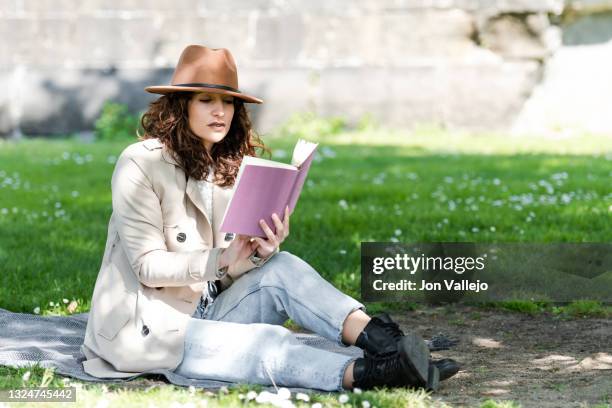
240, 337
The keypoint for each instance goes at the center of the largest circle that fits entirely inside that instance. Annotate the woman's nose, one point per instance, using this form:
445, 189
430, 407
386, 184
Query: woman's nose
218, 109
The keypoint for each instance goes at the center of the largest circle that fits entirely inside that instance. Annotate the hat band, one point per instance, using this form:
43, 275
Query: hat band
204, 85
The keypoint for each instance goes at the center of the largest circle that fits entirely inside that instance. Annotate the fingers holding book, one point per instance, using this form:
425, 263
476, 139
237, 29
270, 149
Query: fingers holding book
269, 246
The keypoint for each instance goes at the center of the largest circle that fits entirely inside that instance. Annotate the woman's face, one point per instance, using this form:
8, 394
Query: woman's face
210, 116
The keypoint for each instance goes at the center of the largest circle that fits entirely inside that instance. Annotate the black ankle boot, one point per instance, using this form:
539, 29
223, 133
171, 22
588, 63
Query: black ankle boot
380, 336
392, 370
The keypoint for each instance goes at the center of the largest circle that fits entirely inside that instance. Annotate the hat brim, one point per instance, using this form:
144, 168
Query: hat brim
166, 89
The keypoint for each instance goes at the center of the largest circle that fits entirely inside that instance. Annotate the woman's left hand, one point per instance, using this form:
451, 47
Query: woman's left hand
269, 246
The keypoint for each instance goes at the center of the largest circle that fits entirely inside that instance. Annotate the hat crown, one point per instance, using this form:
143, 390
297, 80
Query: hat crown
200, 64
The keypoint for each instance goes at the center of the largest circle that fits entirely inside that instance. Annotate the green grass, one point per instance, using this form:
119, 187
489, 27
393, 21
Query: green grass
369, 185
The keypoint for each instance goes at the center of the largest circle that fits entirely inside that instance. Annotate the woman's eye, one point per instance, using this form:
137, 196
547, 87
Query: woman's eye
228, 101
204, 100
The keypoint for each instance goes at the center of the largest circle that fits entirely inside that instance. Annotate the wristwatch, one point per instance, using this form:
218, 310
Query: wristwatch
257, 260
221, 272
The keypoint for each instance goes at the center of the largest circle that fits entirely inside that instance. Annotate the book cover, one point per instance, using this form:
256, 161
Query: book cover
264, 187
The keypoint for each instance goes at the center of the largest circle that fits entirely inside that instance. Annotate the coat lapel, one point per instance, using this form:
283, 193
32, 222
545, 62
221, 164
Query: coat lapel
196, 198
221, 197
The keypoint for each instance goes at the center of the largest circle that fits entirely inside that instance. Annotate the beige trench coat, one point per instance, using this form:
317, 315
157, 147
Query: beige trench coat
160, 251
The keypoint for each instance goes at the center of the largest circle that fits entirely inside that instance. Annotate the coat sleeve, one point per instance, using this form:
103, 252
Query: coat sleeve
139, 223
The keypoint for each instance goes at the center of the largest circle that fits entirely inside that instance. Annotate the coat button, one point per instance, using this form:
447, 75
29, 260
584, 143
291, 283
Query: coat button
145, 330
181, 237
229, 236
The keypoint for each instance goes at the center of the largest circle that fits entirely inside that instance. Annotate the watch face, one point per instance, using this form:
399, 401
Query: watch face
255, 259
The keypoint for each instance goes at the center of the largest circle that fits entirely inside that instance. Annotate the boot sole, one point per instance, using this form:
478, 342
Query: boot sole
433, 380
415, 356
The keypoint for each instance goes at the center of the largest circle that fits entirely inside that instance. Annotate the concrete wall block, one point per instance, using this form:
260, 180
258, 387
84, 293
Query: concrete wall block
115, 41
237, 7
516, 36
487, 96
443, 33
88, 7
284, 91
223, 32
9, 7
521, 6
62, 101
341, 40
278, 39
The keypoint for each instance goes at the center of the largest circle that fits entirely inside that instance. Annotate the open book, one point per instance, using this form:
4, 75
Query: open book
264, 187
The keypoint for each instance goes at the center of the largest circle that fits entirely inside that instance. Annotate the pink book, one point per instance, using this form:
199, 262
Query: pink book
264, 187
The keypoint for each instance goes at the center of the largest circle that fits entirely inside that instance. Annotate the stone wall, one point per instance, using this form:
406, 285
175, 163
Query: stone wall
459, 63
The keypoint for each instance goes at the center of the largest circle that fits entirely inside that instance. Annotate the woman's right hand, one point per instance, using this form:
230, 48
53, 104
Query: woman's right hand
240, 248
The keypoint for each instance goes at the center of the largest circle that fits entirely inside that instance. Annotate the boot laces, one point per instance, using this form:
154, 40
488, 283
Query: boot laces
392, 329
382, 368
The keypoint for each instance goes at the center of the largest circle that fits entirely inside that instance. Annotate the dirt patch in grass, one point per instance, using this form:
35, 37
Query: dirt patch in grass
537, 360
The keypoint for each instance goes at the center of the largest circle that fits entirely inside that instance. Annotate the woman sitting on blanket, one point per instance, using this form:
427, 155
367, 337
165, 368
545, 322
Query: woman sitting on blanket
174, 293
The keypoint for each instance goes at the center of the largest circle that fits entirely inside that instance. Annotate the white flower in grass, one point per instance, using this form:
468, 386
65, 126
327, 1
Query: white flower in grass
300, 396
496, 181
251, 395
37, 310
475, 229
365, 404
342, 252
51, 303
610, 208
5, 210
343, 204
264, 397
492, 228
284, 393
343, 399
223, 390
328, 152
74, 194
279, 153
397, 232
65, 155
26, 376
191, 388
357, 390
393, 239
316, 405
65, 300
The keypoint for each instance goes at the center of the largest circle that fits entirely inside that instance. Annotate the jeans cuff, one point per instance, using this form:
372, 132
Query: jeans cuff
344, 367
339, 338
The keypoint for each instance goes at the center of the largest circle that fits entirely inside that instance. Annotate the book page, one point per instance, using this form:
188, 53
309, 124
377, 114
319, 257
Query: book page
302, 150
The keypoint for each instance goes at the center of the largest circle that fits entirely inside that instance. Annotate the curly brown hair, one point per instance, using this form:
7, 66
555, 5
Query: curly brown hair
167, 120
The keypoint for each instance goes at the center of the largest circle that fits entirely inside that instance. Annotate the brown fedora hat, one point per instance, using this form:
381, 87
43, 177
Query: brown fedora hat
203, 69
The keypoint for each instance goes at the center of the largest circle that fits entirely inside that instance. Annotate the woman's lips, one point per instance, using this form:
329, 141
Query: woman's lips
217, 126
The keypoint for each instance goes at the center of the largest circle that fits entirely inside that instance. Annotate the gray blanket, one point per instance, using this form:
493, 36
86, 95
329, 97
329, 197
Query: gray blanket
54, 341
